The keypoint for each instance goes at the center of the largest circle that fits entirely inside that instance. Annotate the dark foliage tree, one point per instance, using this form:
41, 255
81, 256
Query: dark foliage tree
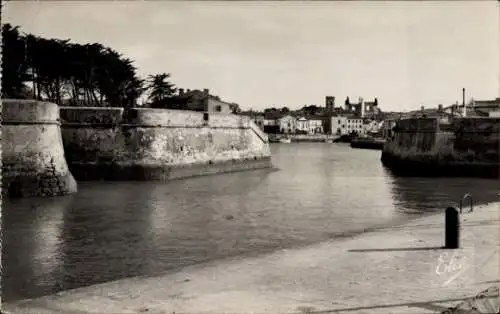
235, 108
67, 73
160, 89
14, 65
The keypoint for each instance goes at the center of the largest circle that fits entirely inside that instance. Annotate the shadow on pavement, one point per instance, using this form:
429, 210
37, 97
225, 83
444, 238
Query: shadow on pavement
424, 305
399, 249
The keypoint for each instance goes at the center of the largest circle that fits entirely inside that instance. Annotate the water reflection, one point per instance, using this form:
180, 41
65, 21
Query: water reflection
31, 237
115, 230
417, 195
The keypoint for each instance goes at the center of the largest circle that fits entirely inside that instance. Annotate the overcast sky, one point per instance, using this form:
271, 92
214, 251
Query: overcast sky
260, 54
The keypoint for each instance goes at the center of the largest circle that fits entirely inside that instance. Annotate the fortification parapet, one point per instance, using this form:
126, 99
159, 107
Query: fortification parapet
460, 147
159, 144
33, 161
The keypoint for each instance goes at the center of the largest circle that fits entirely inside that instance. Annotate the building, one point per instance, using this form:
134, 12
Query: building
197, 100
347, 125
489, 108
362, 109
256, 117
316, 125
270, 121
475, 108
287, 124
302, 125
310, 125
387, 127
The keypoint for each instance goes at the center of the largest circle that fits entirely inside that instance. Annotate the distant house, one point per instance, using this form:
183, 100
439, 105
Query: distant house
437, 113
197, 100
270, 122
342, 125
303, 125
316, 124
387, 127
475, 108
310, 125
489, 108
256, 117
287, 124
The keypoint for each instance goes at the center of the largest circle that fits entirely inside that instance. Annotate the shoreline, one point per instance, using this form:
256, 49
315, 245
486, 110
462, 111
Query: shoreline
263, 283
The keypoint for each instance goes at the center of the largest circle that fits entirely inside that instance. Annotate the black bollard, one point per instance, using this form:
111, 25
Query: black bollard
452, 228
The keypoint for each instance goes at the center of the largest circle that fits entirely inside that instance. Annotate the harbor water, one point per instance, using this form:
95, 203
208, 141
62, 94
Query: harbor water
115, 230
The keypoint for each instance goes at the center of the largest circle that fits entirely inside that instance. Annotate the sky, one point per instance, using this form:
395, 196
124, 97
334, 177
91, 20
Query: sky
264, 54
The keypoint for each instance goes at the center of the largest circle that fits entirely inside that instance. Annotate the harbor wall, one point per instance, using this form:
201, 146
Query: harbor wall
159, 144
311, 137
33, 160
463, 147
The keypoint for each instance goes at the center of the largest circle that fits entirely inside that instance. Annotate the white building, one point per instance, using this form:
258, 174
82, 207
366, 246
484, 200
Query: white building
315, 125
345, 125
303, 124
311, 125
287, 124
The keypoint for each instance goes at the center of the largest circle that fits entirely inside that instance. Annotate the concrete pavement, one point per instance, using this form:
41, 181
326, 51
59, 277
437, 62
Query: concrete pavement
400, 269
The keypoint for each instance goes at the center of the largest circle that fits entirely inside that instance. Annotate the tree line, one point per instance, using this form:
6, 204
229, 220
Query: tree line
75, 74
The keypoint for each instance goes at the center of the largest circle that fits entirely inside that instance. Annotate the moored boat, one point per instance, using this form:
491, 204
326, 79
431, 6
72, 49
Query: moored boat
368, 143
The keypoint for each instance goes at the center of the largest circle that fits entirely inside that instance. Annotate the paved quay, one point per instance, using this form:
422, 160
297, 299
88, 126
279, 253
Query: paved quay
401, 269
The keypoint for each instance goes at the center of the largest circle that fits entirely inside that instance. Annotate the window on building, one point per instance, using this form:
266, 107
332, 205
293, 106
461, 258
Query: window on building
218, 108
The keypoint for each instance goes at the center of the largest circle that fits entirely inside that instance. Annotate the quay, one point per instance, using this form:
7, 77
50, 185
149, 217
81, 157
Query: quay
314, 138
401, 269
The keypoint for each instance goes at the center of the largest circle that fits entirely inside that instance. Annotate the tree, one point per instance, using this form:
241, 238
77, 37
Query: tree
89, 74
310, 110
235, 108
285, 110
14, 65
160, 89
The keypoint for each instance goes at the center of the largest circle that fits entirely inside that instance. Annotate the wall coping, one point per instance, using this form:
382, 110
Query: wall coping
27, 111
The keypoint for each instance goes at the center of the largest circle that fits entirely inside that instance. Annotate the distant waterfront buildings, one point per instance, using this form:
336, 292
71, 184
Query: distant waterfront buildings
361, 118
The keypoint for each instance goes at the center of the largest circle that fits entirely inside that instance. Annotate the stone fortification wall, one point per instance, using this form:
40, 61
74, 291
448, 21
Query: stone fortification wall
159, 144
33, 160
465, 146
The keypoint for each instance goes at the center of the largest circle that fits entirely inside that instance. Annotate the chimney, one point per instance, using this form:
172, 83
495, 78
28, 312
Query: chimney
375, 102
422, 108
181, 91
440, 107
205, 91
463, 102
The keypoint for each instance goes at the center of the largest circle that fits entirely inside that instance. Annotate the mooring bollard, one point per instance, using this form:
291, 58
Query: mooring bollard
470, 200
452, 228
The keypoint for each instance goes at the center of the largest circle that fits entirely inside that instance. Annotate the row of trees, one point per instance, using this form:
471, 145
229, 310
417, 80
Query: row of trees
74, 74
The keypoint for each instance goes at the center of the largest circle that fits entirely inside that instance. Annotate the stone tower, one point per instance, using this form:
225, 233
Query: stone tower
330, 105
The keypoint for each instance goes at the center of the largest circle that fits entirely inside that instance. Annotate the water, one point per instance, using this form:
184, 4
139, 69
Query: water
109, 231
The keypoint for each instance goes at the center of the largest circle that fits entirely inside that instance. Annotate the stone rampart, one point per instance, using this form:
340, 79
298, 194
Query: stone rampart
159, 144
33, 160
463, 147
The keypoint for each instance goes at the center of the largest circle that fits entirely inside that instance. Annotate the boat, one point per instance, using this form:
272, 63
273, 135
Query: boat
285, 140
346, 138
368, 143
273, 139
